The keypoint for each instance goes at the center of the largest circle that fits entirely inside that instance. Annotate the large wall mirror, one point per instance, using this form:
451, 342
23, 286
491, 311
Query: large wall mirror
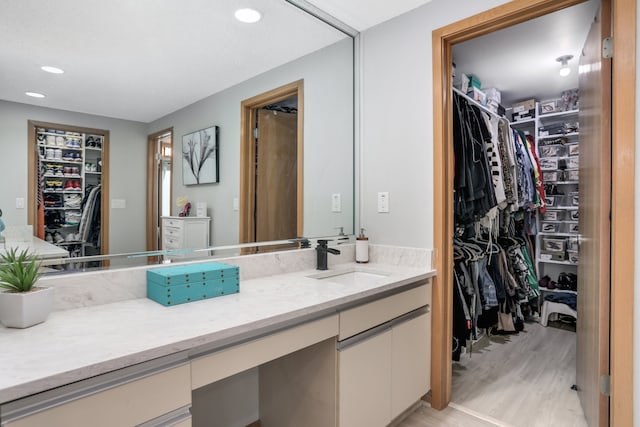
138, 68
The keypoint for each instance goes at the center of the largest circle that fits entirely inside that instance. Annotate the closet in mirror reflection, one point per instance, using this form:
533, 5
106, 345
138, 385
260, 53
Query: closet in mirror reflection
68, 187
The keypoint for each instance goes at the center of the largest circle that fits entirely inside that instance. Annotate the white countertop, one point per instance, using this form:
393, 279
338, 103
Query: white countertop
77, 344
40, 247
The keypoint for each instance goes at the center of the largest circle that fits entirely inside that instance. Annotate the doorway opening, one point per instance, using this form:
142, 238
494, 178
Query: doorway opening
623, 107
271, 165
159, 184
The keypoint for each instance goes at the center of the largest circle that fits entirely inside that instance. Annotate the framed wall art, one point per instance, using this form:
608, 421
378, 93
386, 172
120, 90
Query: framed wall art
200, 161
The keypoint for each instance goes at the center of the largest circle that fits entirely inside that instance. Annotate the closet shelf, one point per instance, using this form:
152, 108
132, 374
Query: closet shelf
542, 233
476, 103
47, 208
563, 183
51, 175
562, 208
523, 122
559, 114
551, 261
92, 173
559, 135
557, 290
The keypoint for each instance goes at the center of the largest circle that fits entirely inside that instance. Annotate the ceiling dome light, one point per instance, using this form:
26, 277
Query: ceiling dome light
52, 70
565, 70
35, 94
248, 16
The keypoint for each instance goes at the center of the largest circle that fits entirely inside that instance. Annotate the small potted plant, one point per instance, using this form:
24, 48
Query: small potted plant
21, 303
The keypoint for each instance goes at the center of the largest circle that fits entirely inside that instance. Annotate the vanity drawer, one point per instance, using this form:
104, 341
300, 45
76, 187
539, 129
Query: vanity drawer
133, 403
367, 316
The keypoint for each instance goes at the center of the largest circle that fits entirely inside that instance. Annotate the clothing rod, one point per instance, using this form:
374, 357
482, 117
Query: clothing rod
476, 103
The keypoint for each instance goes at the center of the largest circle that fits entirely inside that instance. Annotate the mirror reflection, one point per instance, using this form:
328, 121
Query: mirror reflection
150, 74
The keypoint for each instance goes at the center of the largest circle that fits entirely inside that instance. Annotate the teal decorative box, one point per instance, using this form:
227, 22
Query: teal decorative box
194, 282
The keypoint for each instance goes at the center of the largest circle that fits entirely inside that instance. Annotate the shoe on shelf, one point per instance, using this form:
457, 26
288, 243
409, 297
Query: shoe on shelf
57, 237
76, 185
57, 154
68, 185
48, 238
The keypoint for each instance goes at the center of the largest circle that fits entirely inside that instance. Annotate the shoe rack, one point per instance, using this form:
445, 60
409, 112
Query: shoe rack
68, 163
556, 129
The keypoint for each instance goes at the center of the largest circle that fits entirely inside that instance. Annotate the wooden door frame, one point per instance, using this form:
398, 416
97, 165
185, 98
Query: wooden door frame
32, 184
247, 154
623, 190
153, 190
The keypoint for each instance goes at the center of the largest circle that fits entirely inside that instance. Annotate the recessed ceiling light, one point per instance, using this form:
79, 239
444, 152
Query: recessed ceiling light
248, 16
52, 70
35, 94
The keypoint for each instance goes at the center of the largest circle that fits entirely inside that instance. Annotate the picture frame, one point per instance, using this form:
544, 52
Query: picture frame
200, 157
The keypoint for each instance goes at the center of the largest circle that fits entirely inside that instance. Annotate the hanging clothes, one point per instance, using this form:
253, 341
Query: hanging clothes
497, 188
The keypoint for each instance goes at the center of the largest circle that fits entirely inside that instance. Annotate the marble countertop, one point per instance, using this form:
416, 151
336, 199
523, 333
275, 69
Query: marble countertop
77, 344
42, 248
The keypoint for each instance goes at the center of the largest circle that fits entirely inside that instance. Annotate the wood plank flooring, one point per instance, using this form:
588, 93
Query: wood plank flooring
522, 380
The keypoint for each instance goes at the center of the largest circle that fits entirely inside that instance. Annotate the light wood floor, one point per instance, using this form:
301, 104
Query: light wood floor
522, 380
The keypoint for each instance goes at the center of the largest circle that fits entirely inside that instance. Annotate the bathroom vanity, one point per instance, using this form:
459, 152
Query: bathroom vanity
346, 347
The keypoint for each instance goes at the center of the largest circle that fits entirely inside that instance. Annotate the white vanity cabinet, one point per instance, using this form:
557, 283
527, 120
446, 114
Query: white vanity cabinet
185, 232
147, 399
384, 358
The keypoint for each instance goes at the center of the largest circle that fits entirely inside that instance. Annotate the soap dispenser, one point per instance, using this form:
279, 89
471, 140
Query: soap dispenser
362, 248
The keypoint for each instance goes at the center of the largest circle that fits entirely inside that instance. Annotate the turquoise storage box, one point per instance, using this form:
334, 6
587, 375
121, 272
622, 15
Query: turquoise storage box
185, 283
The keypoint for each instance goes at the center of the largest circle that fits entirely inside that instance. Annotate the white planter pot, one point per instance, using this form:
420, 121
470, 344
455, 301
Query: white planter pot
21, 310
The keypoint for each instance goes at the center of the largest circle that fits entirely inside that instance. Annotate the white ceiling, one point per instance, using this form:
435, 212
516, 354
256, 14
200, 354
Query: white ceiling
520, 61
142, 59
363, 14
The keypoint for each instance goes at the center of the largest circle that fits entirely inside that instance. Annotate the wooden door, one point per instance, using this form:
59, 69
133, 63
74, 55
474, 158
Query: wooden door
276, 176
158, 151
594, 278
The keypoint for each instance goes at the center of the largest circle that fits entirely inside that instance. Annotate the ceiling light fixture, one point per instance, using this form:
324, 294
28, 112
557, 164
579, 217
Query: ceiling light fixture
565, 70
35, 94
248, 16
52, 70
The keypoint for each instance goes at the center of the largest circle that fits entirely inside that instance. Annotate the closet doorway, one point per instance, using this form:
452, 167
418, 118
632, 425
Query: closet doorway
159, 184
622, 215
271, 165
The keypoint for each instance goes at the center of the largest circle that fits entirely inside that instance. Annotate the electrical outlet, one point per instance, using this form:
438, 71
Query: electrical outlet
336, 202
383, 202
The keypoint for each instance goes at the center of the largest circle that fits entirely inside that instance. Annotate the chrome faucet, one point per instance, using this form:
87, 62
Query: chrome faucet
321, 250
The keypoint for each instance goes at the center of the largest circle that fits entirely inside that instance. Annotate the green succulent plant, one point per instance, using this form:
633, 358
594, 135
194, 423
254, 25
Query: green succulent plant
19, 271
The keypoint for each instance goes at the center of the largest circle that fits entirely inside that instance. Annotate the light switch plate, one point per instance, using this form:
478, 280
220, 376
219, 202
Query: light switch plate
383, 202
118, 203
336, 202
20, 203
236, 204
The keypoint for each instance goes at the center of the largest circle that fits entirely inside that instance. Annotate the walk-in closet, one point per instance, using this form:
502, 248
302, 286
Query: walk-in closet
519, 137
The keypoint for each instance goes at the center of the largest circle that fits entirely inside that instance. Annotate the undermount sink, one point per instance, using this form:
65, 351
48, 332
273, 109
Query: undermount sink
350, 276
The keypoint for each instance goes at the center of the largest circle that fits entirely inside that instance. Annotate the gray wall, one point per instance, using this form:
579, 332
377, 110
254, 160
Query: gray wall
128, 168
328, 136
397, 121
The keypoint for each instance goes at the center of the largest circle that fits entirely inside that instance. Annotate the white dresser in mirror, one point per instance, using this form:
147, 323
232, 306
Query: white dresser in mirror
189, 232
